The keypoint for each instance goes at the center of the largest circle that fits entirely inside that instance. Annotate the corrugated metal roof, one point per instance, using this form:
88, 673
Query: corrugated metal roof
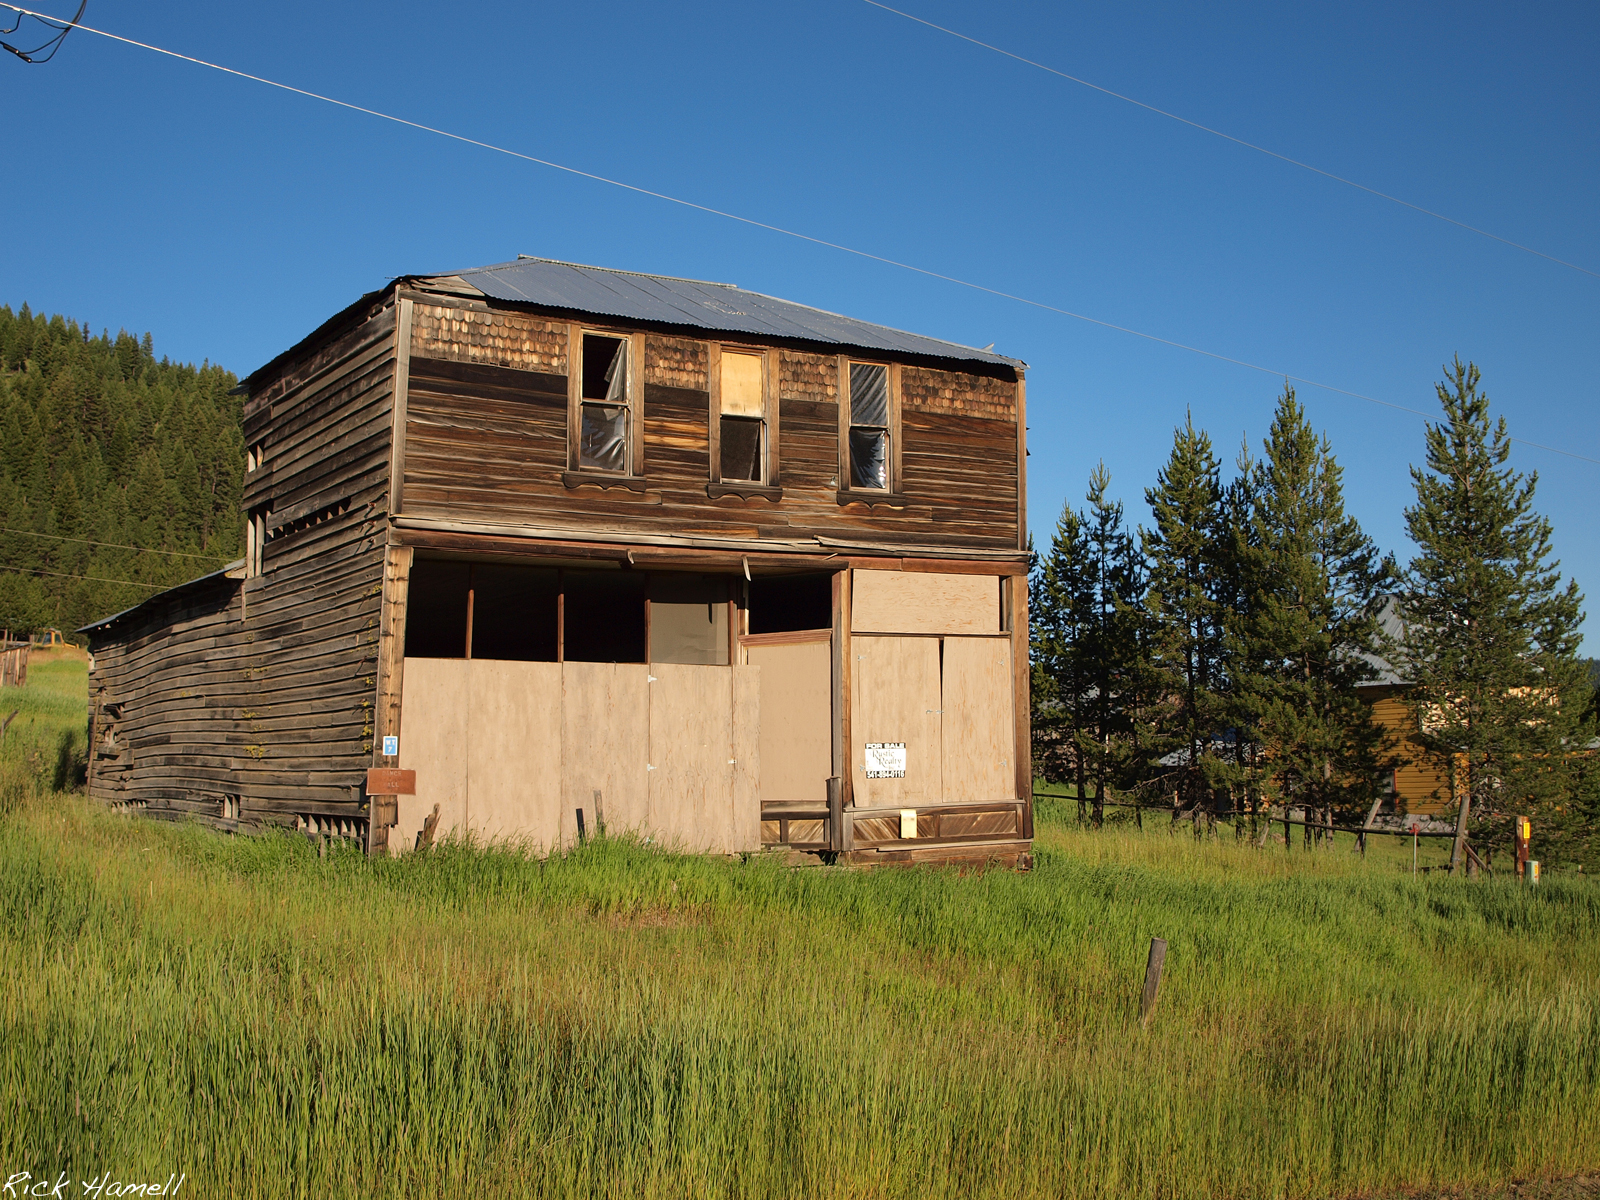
630, 295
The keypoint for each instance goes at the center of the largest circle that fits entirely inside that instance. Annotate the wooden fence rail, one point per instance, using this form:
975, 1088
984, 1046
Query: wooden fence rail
1274, 820
13, 665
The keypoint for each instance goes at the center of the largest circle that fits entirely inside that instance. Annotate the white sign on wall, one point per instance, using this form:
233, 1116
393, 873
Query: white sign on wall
886, 760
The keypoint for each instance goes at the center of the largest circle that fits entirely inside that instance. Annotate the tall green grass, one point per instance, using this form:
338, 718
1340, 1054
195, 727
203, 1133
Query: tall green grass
619, 1021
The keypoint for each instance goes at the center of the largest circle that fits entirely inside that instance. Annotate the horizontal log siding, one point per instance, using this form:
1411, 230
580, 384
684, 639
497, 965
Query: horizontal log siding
489, 443
262, 689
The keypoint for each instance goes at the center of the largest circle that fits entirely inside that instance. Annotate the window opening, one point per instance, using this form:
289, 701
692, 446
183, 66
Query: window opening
513, 613
869, 426
604, 616
743, 416
689, 619
436, 609
604, 432
790, 603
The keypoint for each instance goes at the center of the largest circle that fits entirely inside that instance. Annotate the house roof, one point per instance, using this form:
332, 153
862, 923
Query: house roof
721, 307
1394, 630
234, 570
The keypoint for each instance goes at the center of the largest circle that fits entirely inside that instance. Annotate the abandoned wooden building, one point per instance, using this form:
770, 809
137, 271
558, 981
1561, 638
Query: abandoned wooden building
538, 548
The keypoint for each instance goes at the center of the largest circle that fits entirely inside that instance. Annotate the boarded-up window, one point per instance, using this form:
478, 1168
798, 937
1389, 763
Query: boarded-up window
869, 426
604, 438
744, 417
689, 619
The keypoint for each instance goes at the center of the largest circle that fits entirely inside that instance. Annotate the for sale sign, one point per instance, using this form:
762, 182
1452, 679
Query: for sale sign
886, 760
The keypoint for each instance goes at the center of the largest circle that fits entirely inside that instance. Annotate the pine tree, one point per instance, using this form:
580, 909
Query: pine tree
1187, 716
1059, 615
1491, 637
1305, 634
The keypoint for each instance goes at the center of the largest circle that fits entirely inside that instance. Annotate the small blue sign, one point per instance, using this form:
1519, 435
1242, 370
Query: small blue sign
391, 745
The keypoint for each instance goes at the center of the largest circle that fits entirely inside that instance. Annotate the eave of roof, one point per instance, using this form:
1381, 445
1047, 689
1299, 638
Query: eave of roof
234, 569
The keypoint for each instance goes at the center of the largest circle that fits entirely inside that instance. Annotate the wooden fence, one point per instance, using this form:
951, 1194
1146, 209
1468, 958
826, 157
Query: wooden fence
13, 664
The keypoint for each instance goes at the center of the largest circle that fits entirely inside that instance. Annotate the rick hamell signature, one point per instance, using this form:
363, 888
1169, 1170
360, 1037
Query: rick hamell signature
25, 1183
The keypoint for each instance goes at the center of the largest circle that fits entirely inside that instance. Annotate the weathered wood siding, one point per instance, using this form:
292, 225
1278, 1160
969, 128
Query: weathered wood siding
246, 702
488, 388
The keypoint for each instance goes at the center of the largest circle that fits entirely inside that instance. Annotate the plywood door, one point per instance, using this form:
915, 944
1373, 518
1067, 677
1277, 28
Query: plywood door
979, 733
895, 698
433, 743
924, 602
796, 719
514, 752
605, 746
691, 745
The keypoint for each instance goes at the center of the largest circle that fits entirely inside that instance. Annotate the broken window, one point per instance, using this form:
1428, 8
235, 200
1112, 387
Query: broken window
869, 426
605, 416
791, 603
743, 428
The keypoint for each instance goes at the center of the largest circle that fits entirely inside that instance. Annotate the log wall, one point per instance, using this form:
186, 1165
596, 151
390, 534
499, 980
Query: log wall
246, 702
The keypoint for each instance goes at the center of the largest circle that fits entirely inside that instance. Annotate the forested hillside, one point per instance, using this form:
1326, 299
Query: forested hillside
120, 473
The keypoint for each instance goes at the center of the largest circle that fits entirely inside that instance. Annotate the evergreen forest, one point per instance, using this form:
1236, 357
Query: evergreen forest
120, 473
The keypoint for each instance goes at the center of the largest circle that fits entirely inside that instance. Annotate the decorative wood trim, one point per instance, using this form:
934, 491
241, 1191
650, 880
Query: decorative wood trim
400, 393
602, 479
745, 491
872, 498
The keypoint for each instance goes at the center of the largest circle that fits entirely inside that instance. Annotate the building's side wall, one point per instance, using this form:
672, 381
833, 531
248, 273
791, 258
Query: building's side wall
259, 710
1420, 786
488, 388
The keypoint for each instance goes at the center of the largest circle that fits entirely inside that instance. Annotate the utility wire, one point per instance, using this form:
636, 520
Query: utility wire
111, 545
751, 221
160, 587
1238, 141
53, 44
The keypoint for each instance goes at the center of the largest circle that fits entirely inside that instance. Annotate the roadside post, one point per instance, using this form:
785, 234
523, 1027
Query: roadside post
1152, 978
1415, 829
1533, 870
1524, 835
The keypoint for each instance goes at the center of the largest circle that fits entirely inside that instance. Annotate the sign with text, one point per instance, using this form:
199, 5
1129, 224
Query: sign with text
886, 760
391, 781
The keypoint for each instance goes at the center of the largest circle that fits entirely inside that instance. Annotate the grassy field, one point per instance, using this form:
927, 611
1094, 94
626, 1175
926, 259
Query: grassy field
622, 1022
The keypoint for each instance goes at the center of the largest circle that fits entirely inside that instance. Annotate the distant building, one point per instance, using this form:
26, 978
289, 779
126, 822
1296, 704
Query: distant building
583, 547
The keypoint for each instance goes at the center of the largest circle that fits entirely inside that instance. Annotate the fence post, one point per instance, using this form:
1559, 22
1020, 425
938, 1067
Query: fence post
1152, 978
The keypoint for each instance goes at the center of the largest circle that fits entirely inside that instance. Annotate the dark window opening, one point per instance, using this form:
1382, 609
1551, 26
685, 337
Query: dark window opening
869, 426
514, 613
689, 619
789, 603
605, 616
741, 448
603, 435
436, 610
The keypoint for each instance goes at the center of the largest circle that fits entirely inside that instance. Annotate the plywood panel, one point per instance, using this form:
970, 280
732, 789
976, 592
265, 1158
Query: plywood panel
924, 602
895, 698
514, 752
978, 737
691, 743
796, 729
605, 746
434, 745
745, 818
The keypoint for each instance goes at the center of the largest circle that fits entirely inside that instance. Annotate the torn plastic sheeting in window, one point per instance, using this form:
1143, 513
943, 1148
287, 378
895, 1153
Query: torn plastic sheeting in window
869, 458
741, 448
869, 394
603, 443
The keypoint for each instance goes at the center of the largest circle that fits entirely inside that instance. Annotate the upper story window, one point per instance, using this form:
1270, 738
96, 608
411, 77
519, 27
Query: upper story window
871, 421
744, 439
605, 403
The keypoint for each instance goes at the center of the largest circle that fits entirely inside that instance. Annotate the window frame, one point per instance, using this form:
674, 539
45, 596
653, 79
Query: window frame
847, 488
769, 415
575, 400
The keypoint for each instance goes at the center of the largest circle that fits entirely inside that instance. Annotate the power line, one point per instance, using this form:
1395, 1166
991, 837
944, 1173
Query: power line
751, 221
160, 587
52, 44
111, 545
1238, 141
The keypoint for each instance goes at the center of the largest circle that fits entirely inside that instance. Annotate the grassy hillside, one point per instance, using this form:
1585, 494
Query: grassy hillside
620, 1021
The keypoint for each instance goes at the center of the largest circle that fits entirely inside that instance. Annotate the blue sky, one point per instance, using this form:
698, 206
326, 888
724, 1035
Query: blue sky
230, 219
